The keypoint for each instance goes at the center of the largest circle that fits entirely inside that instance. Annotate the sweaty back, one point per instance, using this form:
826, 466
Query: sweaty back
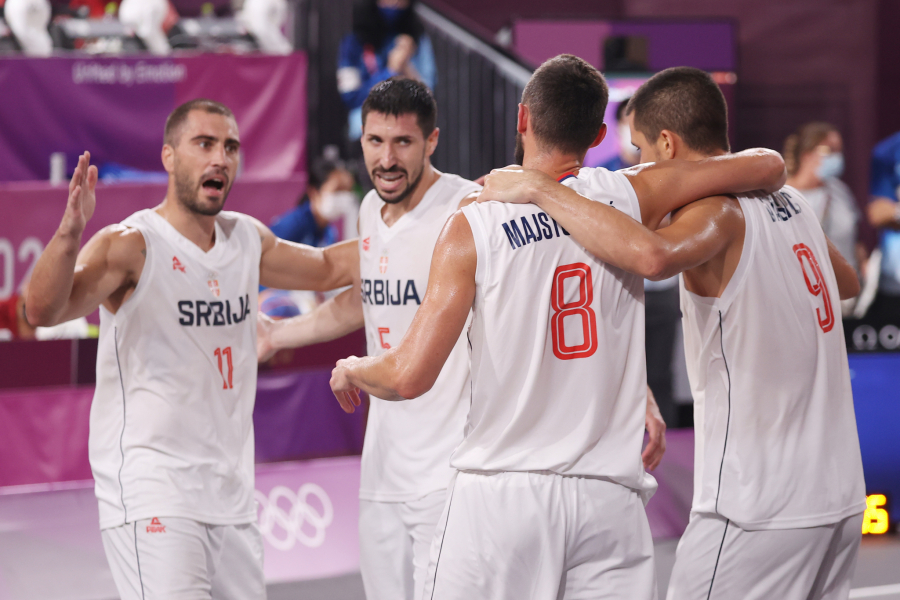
557, 346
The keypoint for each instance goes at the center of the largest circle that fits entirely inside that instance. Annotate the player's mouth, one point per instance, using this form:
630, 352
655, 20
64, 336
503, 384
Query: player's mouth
214, 185
390, 181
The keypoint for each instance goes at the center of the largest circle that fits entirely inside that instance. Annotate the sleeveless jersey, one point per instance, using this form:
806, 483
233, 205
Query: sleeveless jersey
406, 452
171, 433
776, 442
557, 337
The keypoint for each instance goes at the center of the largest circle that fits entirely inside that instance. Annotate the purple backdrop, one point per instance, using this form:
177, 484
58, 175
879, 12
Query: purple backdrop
31, 213
117, 107
44, 432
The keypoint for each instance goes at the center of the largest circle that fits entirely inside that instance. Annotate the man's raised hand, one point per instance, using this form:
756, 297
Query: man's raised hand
82, 197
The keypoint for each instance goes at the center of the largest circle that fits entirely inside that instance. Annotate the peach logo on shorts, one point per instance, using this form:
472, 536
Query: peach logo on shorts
155, 526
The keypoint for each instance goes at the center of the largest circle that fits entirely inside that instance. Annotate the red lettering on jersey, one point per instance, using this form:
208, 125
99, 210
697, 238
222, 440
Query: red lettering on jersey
366, 244
176, 264
381, 332
155, 526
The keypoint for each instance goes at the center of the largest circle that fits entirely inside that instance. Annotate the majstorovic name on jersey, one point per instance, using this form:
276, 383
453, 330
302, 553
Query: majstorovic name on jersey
542, 230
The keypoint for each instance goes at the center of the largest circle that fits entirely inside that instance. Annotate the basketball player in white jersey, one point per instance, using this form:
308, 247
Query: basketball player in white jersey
548, 499
171, 434
405, 461
778, 482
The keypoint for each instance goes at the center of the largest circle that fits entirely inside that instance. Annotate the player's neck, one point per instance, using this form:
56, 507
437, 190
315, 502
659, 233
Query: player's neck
391, 213
199, 229
554, 164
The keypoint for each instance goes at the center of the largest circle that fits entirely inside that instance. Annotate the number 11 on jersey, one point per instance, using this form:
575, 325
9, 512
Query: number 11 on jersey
220, 353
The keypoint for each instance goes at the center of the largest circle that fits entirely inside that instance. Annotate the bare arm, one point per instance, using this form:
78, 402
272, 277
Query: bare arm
334, 318
656, 432
847, 278
882, 212
668, 185
67, 284
289, 266
410, 369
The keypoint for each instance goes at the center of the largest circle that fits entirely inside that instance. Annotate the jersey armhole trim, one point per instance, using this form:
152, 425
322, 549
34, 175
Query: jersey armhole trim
482, 247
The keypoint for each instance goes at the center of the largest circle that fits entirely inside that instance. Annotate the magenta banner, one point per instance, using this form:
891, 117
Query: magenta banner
117, 108
308, 517
44, 432
31, 214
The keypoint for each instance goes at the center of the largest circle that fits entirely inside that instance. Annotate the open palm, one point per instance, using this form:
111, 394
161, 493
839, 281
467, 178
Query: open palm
82, 197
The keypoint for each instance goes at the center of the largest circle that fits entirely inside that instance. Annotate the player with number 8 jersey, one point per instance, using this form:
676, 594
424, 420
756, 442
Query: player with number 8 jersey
571, 300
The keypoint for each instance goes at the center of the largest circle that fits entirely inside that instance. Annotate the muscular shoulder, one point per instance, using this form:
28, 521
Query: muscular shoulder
116, 248
719, 209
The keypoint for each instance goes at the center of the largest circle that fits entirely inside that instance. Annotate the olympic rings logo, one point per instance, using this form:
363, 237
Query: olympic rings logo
295, 522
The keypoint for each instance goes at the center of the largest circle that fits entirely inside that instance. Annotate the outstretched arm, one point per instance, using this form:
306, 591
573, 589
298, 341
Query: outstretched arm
67, 284
289, 266
334, 318
661, 188
410, 369
670, 184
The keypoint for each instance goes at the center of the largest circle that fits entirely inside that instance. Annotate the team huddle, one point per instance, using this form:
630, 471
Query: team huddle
506, 368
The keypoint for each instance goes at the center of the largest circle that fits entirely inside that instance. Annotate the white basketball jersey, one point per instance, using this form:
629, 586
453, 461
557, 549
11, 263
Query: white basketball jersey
557, 337
776, 442
406, 452
171, 430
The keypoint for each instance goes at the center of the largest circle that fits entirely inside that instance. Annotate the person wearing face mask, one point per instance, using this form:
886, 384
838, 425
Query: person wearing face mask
815, 162
329, 196
388, 40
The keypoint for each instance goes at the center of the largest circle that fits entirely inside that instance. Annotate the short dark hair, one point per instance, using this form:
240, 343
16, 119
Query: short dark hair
566, 98
321, 169
686, 101
620, 109
399, 96
178, 116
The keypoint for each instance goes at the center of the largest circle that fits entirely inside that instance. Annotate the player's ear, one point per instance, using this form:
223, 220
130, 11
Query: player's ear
431, 141
600, 136
168, 158
522, 119
667, 144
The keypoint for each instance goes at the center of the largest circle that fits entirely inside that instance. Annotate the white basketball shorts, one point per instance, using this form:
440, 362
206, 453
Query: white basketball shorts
394, 545
717, 560
541, 535
181, 559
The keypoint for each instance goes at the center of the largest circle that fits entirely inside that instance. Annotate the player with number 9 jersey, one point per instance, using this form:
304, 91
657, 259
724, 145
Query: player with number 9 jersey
558, 335
776, 443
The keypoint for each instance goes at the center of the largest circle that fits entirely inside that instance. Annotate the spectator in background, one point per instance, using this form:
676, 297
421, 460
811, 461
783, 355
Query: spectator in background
814, 159
329, 197
28, 20
147, 18
884, 214
388, 40
628, 155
